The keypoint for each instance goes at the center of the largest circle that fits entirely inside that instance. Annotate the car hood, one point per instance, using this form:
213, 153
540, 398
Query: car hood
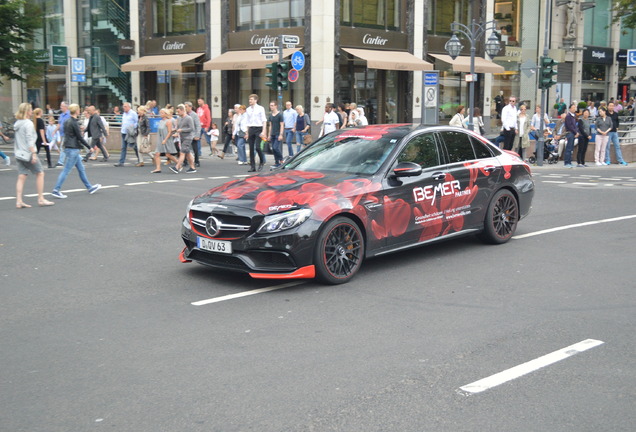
324, 193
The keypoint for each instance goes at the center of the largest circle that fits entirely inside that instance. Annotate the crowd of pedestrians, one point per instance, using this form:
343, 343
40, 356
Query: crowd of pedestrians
249, 132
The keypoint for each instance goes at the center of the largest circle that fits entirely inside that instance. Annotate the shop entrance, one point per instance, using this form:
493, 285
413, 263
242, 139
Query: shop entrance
382, 93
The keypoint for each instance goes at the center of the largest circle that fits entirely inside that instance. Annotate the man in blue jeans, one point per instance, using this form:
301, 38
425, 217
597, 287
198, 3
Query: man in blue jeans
72, 143
60, 127
128, 122
613, 137
289, 118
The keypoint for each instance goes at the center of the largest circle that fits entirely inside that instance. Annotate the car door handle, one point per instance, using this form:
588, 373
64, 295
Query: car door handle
490, 168
439, 176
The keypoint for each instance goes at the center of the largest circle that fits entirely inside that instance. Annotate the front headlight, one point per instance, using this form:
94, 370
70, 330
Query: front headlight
283, 221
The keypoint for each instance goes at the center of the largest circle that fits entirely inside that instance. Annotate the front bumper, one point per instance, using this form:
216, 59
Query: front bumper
284, 255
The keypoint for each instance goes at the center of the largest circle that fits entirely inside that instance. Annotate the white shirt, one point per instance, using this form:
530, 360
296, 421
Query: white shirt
256, 116
509, 116
330, 119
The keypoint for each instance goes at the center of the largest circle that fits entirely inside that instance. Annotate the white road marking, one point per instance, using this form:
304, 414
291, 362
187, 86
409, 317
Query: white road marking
192, 179
245, 294
219, 177
531, 366
166, 181
565, 227
137, 183
553, 181
110, 186
585, 183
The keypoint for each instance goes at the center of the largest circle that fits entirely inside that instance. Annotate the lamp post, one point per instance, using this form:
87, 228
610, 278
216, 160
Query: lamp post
473, 33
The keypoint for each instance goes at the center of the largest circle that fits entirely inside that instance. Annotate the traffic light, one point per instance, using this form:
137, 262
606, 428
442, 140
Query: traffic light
281, 71
272, 74
547, 72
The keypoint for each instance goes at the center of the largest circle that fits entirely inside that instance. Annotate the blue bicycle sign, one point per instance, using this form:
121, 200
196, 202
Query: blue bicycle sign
298, 60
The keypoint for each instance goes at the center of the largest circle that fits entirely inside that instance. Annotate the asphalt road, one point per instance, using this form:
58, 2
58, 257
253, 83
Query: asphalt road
98, 330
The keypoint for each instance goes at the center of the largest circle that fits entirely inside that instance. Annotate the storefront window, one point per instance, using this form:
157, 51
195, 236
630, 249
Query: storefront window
253, 81
594, 72
382, 14
178, 17
266, 14
443, 12
599, 19
507, 17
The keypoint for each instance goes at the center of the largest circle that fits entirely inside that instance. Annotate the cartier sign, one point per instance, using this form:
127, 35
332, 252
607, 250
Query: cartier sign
174, 45
254, 39
370, 39
374, 41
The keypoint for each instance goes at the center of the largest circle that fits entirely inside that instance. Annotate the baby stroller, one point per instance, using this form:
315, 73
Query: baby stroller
550, 152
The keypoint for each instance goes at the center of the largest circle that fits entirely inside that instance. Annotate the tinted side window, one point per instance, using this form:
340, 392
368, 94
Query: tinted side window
421, 150
458, 146
481, 150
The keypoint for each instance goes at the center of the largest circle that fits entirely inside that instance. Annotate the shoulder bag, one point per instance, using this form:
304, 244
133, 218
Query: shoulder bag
23, 155
144, 145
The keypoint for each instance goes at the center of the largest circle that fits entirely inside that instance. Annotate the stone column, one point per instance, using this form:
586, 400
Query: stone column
323, 63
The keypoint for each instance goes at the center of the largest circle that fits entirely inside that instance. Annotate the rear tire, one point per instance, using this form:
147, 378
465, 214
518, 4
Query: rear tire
339, 251
501, 219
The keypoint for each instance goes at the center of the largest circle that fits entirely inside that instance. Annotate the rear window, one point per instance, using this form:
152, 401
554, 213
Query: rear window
482, 151
458, 146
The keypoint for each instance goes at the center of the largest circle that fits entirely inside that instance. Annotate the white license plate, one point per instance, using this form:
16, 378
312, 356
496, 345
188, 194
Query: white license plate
219, 246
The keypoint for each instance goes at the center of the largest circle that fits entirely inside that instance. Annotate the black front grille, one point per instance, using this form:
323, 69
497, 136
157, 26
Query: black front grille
231, 226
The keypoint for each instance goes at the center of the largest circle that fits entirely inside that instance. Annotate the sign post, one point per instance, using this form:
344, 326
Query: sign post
430, 107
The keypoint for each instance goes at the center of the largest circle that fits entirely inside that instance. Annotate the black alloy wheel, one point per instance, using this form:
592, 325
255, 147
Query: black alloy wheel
339, 251
501, 219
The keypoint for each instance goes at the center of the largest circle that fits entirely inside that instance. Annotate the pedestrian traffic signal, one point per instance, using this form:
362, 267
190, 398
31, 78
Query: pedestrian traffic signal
272, 74
281, 71
547, 72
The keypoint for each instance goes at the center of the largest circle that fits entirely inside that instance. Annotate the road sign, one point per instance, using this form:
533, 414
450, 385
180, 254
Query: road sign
291, 40
292, 76
430, 97
78, 78
78, 65
269, 50
430, 79
631, 58
298, 60
59, 55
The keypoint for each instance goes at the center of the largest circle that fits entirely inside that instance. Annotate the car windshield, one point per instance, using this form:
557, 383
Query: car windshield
352, 152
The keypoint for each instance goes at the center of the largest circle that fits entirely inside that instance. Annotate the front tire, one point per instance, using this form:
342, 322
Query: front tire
339, 251
501, 218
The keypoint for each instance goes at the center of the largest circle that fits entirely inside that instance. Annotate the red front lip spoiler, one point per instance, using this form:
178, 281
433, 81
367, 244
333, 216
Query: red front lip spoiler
182, 257
308, 272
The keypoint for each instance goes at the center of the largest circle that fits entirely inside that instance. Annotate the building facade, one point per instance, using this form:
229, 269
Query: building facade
372, 52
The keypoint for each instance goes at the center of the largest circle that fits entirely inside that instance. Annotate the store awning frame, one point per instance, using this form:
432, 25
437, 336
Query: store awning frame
462, 64
242, 60
159, 62
390, 60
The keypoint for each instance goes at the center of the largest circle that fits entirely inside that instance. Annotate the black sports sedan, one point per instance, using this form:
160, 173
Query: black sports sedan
355, 194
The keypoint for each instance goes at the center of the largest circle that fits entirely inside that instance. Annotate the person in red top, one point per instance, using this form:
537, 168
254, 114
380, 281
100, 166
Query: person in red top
203, 111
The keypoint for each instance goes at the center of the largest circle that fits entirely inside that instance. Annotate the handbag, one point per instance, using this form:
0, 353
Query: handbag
145, 146
307, 139
23, 155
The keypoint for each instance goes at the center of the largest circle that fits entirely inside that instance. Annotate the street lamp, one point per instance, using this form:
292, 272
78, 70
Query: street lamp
473, 33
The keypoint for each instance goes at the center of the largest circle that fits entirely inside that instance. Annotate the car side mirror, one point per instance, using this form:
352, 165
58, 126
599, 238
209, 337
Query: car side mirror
407, 169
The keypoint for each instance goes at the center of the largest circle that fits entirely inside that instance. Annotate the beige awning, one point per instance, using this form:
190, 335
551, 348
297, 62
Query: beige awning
390, 60
462, 64
242, 60
159, 62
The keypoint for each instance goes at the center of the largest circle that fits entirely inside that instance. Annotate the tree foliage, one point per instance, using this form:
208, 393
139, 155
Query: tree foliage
18, 23
625, 12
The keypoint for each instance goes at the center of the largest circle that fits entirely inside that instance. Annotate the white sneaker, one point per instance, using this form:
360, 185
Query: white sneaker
94, 188
599, 164
7, 161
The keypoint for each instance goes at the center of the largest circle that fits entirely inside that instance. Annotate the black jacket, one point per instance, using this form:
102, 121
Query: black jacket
96, 128
72, 135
